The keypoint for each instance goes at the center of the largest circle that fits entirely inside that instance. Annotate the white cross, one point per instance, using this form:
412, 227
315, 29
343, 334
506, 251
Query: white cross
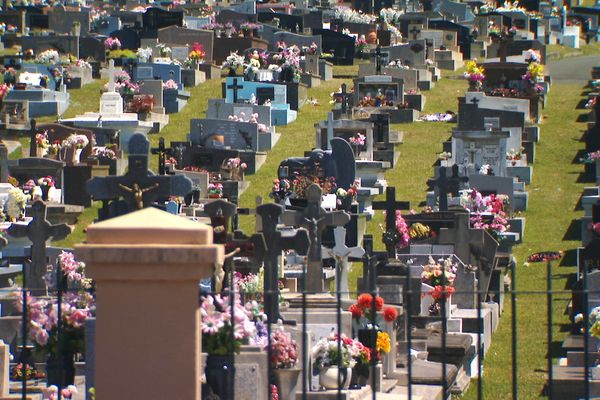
340, 253
111, 75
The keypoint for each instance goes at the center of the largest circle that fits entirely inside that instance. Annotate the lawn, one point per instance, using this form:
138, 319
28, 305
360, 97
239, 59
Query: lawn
555, 178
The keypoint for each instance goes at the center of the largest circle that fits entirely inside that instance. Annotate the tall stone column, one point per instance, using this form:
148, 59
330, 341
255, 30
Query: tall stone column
147, 266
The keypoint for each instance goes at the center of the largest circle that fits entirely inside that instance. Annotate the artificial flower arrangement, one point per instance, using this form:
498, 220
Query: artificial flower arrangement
215, 190
141, 103
10, 77
48, 57
344, 198
361, 44
163, 50
170, 85
300, 184
197, 53
46, 181
248, 27
144, 54
253, 118
14, 207
112, 44
334, 350
358, 139
253, 65
123, 84
284, 350
514, 155
534, 74
41, 140
444, 156
103, 152
280, 190
440, 275
77, 305
590, 157
593, 322
475, 74
4, 89
309, 50
217, 327
397, 64
236, 163
532, 55
338, 97
369, 312
66, 393
233, 61
75, 141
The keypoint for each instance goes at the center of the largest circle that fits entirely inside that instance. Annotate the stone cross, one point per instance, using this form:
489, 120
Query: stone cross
111, 75
340, 253
138, 187
329, 130
390, 205
234, 86
38, 231
315, 219
378, 55
446, 184
162, 153
277, 242
472, 150
415, 32
222, 213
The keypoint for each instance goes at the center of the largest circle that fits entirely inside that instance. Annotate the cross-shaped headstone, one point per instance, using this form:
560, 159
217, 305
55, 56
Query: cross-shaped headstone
378, 55
32, 141
235, 87
162, 152
138, 187
221, 213
329, 130
345, 95
340, 253
369, 261
380, 127
277, 242
390, 205
38, 231
315, 219
444, 185
472, 150
415, 32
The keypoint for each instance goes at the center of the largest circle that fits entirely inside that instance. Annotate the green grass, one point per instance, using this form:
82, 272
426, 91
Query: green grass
558, 52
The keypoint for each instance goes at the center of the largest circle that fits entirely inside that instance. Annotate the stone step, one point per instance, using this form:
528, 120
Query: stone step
418, 392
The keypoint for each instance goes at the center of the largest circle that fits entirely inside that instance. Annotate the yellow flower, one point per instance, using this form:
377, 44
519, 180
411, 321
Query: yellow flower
383, 342
595, 329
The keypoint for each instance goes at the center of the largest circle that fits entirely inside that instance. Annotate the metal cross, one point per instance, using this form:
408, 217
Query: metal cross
345, 95
234, 86
162, 152
390, 205
378, 60
415, 31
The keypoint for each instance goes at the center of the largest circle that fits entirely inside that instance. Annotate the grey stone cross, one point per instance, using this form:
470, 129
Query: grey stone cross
38, 231
341, 253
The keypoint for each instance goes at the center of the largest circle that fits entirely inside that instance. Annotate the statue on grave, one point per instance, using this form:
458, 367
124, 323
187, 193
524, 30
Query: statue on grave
138, 193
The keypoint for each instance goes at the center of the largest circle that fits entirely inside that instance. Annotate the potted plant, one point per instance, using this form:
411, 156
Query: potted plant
440, 276
333, 361
233, 62
77, 305
197, 54
249, 29
284, 354
76, 28
475, 74
221, 340
215, 191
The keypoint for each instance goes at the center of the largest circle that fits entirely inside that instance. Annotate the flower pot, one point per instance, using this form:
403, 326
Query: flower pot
62, 374
77, 156
217, 33
250, 75
232, 71
345, 203
328, 377
219, 375
45, 191
40, 151
215, 195
286, 380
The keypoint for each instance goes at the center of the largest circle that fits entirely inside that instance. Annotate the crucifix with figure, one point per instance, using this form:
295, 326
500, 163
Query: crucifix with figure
162, 153
378, 56
277, 241
344, 95
38, 231
315, 219
445, 185
235, 87
221, 214
391, 205
139, 187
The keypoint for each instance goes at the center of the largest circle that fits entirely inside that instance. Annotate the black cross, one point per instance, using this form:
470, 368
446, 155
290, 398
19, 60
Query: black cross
114, 187
234, 86
162, 153
390, 205
32, 143
38, 231
475, 101
380, 121
276, 243
369, 259
378, 55
446, 184
415, 31
345, 95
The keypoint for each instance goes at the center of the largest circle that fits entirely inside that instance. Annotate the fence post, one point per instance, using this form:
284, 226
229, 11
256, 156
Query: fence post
147, 266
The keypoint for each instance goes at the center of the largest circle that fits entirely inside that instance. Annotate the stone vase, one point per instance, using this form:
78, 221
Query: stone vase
328, 377
76, 156
286, 380
220, 374
40, 152
45, 192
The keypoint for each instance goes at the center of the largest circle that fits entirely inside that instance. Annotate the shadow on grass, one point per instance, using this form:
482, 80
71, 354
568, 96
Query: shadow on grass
569, 258
569, 278
581, 105
573, 231
587, 176
581, 153
582, 117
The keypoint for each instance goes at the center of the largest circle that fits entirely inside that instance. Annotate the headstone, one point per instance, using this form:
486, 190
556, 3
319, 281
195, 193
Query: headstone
445, 185
390, 205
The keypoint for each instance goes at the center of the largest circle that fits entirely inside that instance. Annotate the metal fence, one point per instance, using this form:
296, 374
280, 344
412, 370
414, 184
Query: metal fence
62, 354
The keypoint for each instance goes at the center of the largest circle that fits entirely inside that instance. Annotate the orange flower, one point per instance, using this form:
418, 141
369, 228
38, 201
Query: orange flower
364, 301
378, 303
390, 314
356, 311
